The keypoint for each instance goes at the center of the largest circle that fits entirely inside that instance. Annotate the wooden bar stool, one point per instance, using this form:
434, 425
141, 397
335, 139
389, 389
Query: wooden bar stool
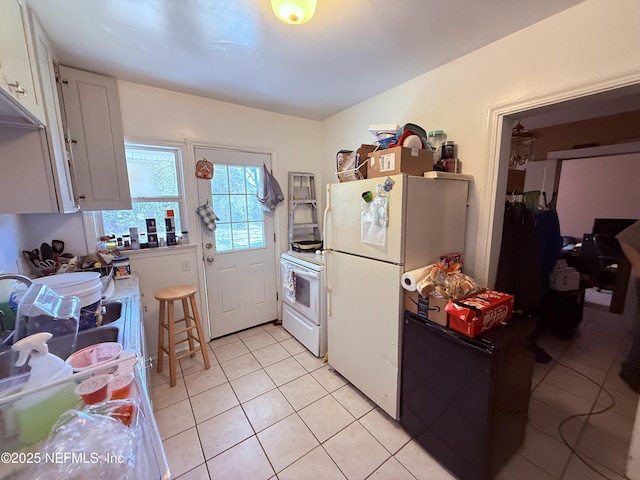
166, 297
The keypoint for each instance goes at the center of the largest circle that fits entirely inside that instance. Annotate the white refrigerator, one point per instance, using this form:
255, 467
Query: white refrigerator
426, 218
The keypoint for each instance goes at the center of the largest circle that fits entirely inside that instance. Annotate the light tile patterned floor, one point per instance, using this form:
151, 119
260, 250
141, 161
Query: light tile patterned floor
268, 409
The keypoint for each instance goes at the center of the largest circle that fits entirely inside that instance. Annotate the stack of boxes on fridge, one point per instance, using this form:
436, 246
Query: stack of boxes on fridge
444, 295
407, 149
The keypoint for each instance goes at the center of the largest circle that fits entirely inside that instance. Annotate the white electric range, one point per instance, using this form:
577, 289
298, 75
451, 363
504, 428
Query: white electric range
304, 299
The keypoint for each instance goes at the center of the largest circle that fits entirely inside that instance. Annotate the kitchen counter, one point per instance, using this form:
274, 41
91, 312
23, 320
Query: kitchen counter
149, 454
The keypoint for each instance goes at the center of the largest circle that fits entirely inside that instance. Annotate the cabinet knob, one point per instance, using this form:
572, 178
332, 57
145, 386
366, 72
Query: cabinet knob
18, 88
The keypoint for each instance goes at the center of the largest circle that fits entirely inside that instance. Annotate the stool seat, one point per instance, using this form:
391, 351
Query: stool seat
175, 293
167, 322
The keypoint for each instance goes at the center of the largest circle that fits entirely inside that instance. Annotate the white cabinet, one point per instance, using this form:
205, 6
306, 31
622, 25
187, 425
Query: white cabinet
20, 97
42, 173
160, 268
95, 139
66, 202
34, 161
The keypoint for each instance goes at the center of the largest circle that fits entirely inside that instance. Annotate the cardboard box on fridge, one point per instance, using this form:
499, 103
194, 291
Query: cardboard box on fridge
429, 307
478, 313
391, 161
353, 166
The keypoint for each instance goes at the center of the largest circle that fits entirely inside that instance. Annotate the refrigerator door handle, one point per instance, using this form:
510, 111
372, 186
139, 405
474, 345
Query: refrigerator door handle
327, 209
327, 286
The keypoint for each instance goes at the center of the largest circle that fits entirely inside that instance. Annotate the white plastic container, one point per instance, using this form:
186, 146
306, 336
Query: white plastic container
564, 279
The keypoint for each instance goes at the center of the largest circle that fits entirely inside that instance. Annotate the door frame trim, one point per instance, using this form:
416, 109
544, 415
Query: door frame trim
498, 142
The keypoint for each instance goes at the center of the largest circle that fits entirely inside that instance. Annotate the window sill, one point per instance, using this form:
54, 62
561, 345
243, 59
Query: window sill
159, 251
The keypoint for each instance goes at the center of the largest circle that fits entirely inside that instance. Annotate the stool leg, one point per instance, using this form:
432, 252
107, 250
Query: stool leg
172, 345
187, 324
196, 318
161, 337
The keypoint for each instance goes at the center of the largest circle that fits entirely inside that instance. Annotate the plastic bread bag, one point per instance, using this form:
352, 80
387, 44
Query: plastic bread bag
87, 444
457, 285
434, 276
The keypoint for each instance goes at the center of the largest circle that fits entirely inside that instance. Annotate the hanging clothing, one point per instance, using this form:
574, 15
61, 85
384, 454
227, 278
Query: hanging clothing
519, 267
270, 192
549, 243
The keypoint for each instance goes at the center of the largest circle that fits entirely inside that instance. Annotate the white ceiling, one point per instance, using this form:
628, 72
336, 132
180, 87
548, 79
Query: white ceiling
237, 51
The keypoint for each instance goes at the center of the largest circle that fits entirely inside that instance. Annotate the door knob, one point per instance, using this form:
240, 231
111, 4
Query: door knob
210, 258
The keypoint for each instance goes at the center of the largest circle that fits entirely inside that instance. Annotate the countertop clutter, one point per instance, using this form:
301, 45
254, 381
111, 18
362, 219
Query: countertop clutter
106, 428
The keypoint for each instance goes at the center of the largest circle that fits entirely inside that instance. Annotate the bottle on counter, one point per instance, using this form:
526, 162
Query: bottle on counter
37, 412
111, 243
184, 239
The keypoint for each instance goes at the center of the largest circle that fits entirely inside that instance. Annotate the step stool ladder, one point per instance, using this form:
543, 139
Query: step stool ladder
303, 209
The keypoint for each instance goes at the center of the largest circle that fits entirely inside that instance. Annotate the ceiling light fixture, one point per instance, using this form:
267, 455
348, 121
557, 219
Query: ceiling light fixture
295, 12
521, 146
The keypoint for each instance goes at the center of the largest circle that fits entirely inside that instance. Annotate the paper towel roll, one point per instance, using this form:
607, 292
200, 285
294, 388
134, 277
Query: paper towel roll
410, 279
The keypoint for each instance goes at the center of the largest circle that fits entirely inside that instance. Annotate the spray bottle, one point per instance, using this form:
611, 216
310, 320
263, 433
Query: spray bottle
37, 412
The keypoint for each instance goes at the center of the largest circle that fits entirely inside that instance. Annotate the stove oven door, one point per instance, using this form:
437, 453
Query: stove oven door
306, 296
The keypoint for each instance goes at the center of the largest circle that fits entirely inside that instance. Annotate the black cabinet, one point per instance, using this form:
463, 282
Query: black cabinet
465, 400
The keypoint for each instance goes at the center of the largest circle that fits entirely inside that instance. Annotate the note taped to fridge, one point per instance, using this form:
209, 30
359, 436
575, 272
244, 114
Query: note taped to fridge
373, 229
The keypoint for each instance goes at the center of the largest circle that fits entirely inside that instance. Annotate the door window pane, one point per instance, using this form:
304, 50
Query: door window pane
241, 224
221, 207
253, 180
256, 234
219, 183
238, 208
224, 242
236, 179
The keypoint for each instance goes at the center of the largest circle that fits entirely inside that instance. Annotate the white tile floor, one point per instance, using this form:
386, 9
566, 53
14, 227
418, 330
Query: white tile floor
268, 409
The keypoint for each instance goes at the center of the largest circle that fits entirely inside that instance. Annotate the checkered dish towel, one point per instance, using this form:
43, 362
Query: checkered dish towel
208, 216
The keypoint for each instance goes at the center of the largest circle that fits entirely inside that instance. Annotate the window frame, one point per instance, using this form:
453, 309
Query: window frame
94, 227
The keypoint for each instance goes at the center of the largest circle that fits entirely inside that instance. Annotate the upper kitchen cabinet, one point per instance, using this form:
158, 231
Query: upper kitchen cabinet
34, 160
95, 139
20, 98
58, 156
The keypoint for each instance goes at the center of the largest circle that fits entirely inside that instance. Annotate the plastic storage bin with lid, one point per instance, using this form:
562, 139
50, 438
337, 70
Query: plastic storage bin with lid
84, 285
43, 310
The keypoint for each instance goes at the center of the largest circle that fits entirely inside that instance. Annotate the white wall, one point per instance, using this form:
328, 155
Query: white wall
11, 243
598, 187
151, 113
595, 40
43, 227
